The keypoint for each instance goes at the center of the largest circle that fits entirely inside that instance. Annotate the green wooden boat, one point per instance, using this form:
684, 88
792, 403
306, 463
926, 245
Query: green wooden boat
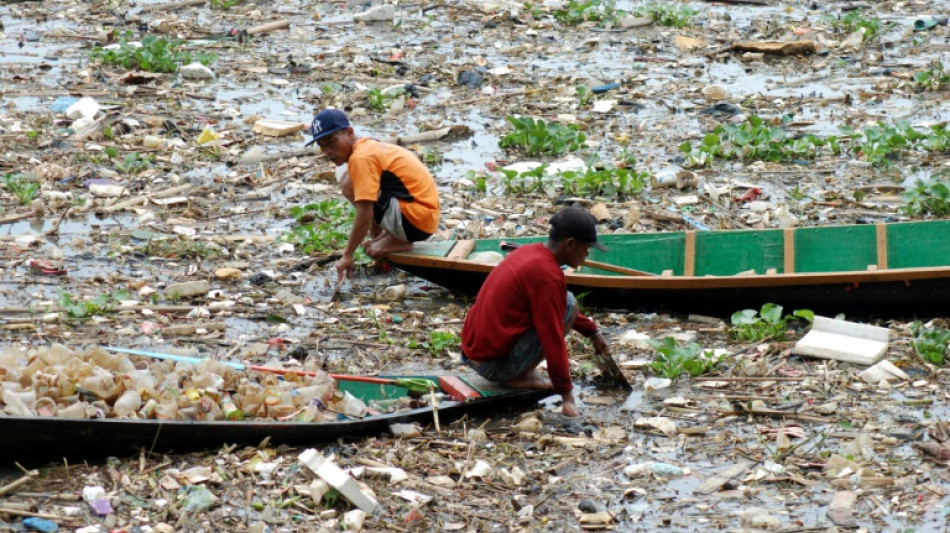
884, 270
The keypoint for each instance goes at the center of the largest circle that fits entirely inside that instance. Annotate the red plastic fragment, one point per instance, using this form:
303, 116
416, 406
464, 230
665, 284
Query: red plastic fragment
45, 268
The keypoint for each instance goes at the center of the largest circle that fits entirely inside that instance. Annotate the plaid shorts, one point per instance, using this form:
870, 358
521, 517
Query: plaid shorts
523, 354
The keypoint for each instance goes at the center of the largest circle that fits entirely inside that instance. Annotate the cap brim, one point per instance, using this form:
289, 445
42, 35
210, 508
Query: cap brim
599, 246
324, 134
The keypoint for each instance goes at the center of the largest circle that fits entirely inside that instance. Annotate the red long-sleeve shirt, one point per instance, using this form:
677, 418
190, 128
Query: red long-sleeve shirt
526, 290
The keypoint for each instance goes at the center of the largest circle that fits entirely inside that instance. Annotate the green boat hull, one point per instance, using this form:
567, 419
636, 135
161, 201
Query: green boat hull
886, 270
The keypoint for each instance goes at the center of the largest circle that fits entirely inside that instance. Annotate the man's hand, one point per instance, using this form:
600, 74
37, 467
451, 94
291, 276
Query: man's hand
344, 268
600, 343
568, 408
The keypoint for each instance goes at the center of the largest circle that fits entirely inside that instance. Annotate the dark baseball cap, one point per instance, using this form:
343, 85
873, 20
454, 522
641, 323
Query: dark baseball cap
577, 223
327, 122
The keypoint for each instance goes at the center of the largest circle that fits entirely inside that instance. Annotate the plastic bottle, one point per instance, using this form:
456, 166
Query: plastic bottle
353, 406
75, 410
127, 404
153, 141
653, 468
230, 410
148, 410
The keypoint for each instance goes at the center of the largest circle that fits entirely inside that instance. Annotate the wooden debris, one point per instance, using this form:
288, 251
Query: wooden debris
839, 510
448, 133
722, 477
793, 48
192, 329
270, 26
277, 128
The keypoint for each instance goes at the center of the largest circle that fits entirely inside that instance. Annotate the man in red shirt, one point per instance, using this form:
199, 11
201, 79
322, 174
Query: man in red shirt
395, 196
523, 311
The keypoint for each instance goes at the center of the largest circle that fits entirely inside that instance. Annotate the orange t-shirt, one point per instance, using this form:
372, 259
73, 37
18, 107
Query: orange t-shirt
376, 166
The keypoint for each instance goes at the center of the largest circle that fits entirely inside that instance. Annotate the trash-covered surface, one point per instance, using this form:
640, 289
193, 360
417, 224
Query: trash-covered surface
156, 195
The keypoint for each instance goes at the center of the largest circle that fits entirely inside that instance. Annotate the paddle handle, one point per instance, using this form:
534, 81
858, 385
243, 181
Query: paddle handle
508, 246
169, 357
239, 366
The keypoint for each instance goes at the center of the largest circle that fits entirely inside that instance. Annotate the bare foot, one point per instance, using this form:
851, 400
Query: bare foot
530, 380
387, 244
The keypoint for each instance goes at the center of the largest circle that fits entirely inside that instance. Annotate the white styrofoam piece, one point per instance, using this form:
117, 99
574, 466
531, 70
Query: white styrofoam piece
844, 341
883, 371
328, 471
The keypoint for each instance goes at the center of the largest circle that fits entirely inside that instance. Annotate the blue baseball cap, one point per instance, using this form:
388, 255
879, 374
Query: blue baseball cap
327, 122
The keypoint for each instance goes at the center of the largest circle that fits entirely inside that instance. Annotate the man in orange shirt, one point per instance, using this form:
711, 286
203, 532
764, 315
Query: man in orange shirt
395, 196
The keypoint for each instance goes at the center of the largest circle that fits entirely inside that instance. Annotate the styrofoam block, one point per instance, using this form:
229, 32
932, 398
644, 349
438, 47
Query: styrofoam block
844, 341
328, 471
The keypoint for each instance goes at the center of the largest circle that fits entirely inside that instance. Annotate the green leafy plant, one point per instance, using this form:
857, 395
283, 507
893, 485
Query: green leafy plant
85, 308
768, 323
432, 157
439, 341
535, 180
673, 360
930, 344
610, 181
880, 144
936, 140
23, 186
870, 27
669, 14
584, 95
756, 140
132, 163
321, 227
480, 180
330, 87
378, 100
534, 137
927, 197
156, 54
576, 12
225, 4
933, 79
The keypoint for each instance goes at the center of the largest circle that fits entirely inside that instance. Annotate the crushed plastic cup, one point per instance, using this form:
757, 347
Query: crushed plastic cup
196, 498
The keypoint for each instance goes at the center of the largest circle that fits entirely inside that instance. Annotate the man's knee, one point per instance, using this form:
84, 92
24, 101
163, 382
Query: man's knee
573, 308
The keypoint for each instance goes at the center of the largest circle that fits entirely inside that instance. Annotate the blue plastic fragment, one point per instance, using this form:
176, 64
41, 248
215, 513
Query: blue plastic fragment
605, 88
39, 524
61, 104
693, 222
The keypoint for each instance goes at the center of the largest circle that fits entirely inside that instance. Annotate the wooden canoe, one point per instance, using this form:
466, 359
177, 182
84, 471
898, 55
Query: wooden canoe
34, 439
893, 270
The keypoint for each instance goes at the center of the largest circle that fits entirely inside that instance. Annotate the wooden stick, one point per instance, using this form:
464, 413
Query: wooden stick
303, 152
788, 245
138, 200
17, 512
881, 237
10, 487
689, 259
191, 329
270, 26
452, 132
757, 378
173, 6
774, 413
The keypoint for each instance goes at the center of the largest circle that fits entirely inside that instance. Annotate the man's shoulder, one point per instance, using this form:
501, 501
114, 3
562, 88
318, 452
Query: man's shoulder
535, 262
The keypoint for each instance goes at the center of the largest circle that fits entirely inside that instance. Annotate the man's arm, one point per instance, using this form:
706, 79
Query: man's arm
361, 225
